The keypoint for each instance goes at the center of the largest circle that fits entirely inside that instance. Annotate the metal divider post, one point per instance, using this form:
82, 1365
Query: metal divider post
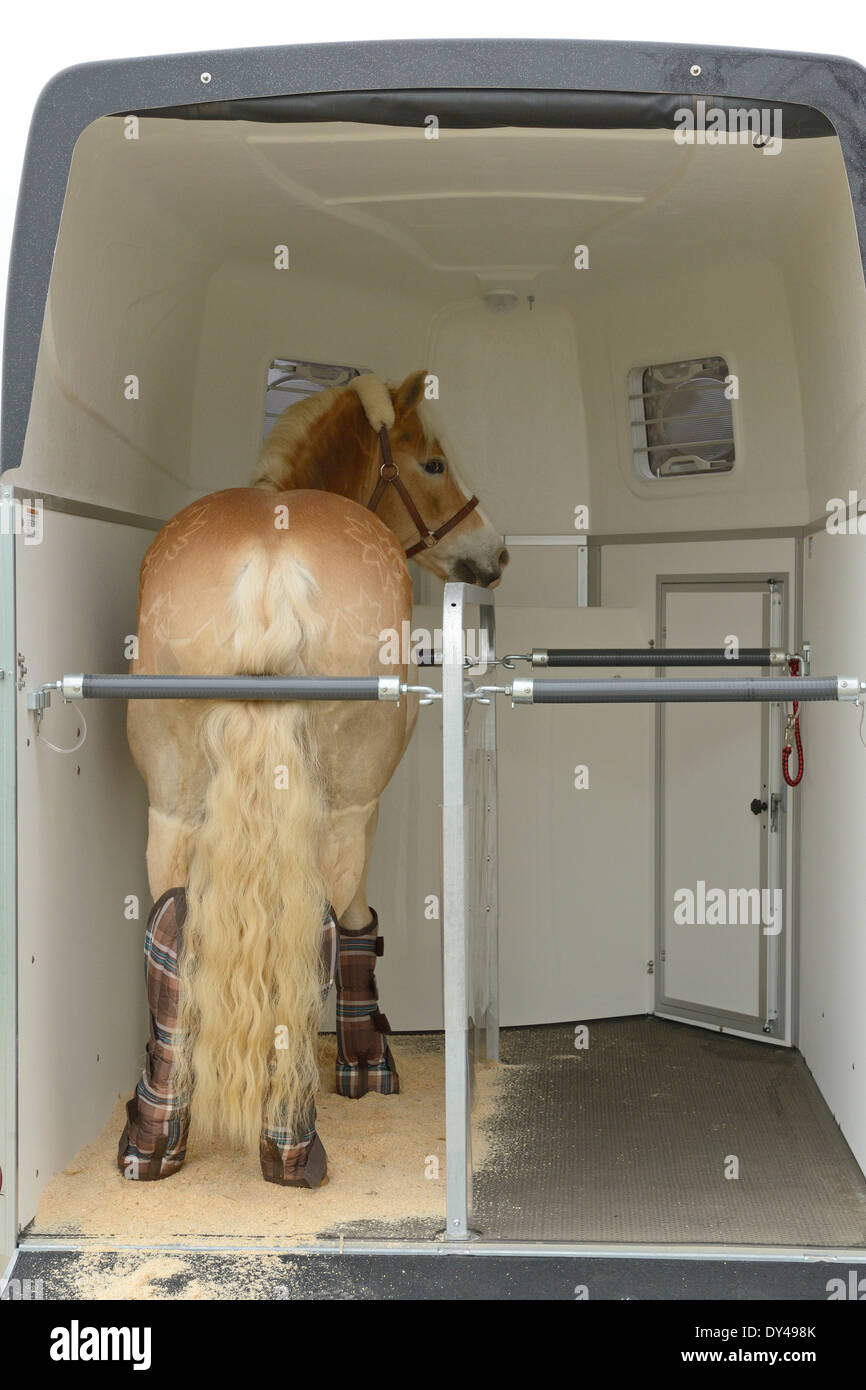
491, 850
456, 824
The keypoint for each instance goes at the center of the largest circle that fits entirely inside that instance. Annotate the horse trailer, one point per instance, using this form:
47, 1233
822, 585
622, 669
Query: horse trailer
626, 953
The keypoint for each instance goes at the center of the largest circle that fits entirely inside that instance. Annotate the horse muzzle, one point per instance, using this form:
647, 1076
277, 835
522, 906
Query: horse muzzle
483, 571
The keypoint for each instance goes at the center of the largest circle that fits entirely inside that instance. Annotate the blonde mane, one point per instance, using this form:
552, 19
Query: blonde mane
285, 451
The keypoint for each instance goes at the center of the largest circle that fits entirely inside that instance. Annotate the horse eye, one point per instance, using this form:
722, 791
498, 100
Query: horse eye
434, 466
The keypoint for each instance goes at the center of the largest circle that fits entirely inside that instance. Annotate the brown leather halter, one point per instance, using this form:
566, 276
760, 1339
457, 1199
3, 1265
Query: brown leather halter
389, 476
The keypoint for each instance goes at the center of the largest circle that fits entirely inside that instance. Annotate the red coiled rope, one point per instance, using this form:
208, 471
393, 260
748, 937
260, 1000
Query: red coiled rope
793, 727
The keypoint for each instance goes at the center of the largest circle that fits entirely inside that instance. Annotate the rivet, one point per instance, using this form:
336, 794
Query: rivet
206, 77
695, 70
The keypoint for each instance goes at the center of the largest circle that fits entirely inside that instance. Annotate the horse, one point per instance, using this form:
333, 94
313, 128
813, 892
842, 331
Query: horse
261, 815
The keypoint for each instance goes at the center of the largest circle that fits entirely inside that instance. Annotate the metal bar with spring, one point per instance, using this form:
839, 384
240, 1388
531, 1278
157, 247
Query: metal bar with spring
101, 687
663, 690
653, 656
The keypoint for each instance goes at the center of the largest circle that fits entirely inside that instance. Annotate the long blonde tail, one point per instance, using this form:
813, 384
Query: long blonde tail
251, 971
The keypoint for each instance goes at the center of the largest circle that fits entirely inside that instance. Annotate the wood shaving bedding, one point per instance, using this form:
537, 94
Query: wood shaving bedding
380, 1152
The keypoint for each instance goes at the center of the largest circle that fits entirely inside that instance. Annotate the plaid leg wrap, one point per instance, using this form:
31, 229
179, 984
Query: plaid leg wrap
299, 1163
153, 1143
364, 1060
295, 1157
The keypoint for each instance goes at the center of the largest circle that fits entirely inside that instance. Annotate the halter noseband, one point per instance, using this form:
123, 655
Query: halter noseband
389, 476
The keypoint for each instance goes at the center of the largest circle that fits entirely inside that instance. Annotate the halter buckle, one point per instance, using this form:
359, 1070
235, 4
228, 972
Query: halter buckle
389, 471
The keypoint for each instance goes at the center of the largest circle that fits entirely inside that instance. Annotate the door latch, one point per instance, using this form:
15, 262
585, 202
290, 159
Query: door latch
777, 804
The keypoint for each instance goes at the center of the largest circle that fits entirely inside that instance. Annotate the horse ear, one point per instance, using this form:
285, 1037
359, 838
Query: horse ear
376, 400
410, 394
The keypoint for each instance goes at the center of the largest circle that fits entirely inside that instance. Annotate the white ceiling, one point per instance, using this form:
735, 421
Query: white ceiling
507, 203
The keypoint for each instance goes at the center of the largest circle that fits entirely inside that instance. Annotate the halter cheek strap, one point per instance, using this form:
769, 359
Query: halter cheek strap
389, 476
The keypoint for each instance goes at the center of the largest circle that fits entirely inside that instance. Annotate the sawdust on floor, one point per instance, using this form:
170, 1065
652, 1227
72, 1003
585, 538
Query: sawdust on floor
133, 1277
383, 1153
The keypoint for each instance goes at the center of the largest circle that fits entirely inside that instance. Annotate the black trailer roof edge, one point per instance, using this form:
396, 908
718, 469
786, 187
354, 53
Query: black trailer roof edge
82, 74
480, 108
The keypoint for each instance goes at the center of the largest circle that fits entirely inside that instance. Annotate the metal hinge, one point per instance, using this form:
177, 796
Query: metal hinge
650, 967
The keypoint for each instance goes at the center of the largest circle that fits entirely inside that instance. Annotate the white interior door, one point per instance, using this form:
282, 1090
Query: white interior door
575, 929
720, 918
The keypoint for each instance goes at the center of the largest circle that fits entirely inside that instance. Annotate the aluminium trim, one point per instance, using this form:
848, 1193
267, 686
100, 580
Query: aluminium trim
801, 1254
73, 506
9, 1079
757, 533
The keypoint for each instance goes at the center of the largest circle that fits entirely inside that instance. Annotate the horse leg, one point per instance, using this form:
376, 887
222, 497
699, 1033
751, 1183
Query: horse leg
153, 1143
364, 1059
295, 1157
168, 849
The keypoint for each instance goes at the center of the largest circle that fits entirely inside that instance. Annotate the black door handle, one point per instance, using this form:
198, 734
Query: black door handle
757, 806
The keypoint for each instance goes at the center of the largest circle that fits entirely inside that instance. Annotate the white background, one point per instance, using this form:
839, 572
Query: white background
44, 36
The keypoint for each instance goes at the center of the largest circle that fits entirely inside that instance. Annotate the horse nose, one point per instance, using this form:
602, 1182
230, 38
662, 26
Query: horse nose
486, 573
493, 573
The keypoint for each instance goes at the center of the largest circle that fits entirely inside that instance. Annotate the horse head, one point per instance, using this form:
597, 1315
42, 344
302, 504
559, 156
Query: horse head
401, 470
461, 542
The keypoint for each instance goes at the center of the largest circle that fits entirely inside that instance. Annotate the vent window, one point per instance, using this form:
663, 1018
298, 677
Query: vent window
682, 420
290, 380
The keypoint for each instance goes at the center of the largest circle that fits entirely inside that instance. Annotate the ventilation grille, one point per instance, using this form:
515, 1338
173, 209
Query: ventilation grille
290, 380
682, 420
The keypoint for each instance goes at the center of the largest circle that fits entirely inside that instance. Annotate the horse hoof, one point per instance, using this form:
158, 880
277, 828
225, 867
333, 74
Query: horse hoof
139, 1163
136, 1169
303, 1165
354, 1080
